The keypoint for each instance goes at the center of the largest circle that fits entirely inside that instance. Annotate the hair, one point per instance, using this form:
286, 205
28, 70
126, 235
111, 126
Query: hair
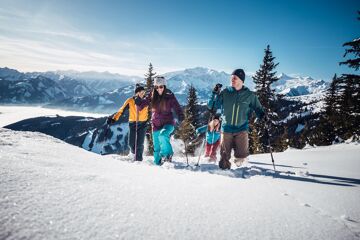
157, 100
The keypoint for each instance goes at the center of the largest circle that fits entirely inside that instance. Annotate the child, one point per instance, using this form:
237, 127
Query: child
212, 137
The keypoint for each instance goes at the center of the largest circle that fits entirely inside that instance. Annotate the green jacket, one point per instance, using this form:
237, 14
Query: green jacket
236, 108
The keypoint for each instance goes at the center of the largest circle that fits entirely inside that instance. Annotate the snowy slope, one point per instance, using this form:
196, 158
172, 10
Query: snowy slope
52, 190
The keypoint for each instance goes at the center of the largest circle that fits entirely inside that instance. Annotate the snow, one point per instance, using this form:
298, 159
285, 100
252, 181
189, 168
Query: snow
52, 190
11, 114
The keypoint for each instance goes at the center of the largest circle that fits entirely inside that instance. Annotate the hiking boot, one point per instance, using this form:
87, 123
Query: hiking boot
224, 164
239, 161
166, 159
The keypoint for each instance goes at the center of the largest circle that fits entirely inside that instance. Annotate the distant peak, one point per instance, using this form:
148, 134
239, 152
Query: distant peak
285, 76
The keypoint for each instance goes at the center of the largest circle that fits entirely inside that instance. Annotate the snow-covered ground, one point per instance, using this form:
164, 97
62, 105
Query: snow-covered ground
52, 190
11, 114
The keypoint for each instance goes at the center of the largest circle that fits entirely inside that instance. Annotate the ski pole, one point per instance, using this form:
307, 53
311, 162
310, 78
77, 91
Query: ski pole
269, 143
187, 159
136, 131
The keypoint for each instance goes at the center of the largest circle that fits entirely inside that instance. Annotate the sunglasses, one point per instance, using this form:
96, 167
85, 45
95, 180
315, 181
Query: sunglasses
161, 87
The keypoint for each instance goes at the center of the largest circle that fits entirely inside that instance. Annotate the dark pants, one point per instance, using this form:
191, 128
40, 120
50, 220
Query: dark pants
137, 148
237, 141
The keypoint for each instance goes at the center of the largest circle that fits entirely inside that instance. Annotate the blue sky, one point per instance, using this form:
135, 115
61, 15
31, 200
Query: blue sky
124, 36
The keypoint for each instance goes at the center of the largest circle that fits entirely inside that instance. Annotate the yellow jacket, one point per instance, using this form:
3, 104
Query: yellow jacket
134, 115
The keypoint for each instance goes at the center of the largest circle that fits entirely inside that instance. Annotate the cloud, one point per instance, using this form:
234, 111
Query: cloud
43, 41
40, 43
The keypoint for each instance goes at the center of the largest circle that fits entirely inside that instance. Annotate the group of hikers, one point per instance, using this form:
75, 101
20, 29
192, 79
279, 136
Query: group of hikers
227, 129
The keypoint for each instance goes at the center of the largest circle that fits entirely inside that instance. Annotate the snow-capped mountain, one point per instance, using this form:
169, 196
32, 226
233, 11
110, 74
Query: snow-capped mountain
298, 86
37, 90
100, 82
203, 79
11, 74
102, 103
103, 92
34, 87
76, 88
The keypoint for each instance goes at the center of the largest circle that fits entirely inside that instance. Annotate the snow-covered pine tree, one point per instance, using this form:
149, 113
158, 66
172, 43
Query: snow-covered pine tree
187, 129
149, 77
350, 98
263, 79
325, 133
192, 106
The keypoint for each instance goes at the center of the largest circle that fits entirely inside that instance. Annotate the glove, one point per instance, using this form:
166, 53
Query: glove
110, 120
217, 88
138, 100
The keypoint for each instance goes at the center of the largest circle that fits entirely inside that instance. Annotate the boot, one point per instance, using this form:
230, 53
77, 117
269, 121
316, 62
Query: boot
239, 161
224, 164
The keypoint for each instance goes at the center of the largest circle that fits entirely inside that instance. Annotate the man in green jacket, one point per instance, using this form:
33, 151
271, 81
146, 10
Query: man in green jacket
236, 104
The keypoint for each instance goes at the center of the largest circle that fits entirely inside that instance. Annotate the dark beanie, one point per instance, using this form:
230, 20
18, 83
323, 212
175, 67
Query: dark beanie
216, 116
138, 88
240, 73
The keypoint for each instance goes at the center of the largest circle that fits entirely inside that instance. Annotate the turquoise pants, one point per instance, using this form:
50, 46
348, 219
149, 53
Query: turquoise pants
161, 140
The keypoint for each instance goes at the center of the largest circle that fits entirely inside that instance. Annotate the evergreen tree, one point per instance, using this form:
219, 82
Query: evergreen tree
187, 133
192, 106
254, 142
149, 77
353, 49
350, 94
263, 79
325, 133
187, 129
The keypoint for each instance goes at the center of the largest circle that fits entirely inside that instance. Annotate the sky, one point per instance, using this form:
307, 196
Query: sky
124, 36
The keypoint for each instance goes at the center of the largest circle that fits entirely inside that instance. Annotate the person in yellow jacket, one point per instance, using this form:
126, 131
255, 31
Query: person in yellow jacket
137, 122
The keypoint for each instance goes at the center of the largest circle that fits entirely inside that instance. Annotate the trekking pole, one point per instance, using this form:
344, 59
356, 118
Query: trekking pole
269, 144
202, 147
187, 159
136, 131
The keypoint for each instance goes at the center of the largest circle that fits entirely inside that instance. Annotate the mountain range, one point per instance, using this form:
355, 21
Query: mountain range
105, 92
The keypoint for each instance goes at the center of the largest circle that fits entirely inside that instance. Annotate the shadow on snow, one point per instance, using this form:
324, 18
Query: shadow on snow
254, 170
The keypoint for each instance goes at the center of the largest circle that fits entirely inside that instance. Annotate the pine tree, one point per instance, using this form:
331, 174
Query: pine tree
254, 142
149, 77
187, 129
353, 49
325, 133
263, 79
192, 106
350, 95
282, 142
187, 133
